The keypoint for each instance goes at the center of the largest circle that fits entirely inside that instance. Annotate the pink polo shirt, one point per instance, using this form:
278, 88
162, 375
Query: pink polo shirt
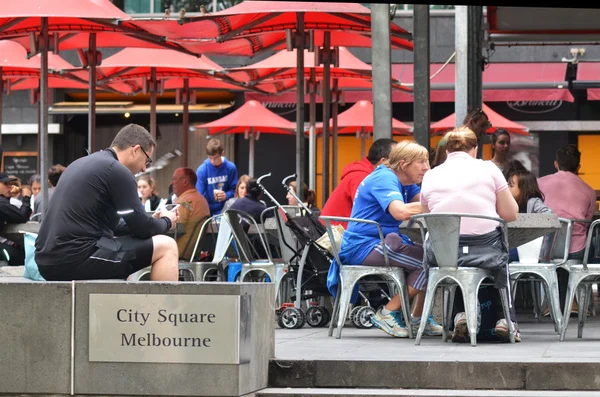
465, 185
568, 196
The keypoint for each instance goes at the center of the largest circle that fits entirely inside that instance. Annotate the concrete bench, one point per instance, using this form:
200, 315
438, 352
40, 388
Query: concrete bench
183, 348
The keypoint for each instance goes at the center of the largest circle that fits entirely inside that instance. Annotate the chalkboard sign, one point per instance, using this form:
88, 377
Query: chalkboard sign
20, 164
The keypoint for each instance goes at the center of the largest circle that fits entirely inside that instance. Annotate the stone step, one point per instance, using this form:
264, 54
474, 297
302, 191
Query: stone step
452, 375
316, 392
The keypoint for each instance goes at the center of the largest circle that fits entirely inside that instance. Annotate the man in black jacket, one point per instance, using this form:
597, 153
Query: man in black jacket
10, 213
97, 200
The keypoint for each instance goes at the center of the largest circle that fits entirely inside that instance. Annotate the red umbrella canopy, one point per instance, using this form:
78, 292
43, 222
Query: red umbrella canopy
495, 119
253, 26
360, 117
14, 62
131, 63
62, 81
252, 115
285, 61
72, 21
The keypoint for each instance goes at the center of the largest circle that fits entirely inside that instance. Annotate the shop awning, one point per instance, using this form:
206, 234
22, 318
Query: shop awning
501, 82
589, 73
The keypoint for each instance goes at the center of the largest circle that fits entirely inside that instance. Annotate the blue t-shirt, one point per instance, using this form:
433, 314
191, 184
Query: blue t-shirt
371, 201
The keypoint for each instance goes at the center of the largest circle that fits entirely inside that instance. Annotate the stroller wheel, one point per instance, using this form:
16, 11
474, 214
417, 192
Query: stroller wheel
354, 316
291, 318
364, 317
316, 316
326, 317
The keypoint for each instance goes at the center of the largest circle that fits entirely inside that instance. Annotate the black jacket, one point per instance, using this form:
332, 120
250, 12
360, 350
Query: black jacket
10, 213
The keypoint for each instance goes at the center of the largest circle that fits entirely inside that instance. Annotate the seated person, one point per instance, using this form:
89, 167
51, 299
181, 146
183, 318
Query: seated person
54, 174
9, 213
340, 201
147, 192
465, 184
251, 202
97, 200
388, 196
240, 191
193, 209
524, 188
310, 197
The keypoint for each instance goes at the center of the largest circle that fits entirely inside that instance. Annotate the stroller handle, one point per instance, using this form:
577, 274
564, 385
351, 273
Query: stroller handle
284, 182
265, 191
259, 180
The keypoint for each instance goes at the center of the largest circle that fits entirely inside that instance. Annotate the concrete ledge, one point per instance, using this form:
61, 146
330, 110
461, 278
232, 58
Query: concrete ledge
35, 336
35, 343
434, 375
176, 379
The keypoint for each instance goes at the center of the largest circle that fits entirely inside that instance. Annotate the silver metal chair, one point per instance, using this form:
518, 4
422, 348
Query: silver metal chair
199, 270
554, 252
581, 277
351, 275
443, 230
251, 263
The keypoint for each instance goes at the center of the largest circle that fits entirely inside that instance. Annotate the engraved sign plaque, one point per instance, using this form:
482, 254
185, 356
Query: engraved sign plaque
149, 328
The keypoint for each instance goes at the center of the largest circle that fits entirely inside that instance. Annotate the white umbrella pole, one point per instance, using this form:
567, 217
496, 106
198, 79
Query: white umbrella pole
251, 154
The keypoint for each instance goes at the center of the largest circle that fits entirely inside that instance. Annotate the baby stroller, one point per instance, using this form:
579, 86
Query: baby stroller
308, 265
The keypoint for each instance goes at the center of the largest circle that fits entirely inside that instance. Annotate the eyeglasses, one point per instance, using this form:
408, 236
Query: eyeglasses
148, 159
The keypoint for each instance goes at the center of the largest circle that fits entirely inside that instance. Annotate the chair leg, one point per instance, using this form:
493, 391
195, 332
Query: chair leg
584, 298
471, 309
570, 296
551, 285
447, 310
535, 294
335, 311
509, 321
429, 297
345, 297
405, 302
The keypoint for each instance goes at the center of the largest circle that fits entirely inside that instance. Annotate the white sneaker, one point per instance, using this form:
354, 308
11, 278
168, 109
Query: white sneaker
391, 324
431, 328
501, 330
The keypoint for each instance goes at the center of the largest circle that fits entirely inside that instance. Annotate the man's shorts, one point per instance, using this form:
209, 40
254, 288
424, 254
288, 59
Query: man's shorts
114, 258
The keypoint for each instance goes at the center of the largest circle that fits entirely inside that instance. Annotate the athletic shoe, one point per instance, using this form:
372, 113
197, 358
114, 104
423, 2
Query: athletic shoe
392, 323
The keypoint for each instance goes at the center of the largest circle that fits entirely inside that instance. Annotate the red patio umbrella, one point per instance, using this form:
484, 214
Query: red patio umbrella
495, 119
139, 65
253, 26
358, 120
37, 17
250, 119
285, 61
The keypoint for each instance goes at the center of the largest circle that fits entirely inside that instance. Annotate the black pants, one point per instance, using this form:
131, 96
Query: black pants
15, 256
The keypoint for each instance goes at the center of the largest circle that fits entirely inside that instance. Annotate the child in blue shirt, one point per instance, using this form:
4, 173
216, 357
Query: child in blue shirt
217, 177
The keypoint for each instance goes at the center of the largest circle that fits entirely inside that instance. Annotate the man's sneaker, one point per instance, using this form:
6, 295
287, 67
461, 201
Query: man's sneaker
502, 331
431, 328
391, 323
461, 331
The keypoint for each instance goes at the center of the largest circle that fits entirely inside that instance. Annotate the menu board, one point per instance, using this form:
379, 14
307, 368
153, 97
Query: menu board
20, 164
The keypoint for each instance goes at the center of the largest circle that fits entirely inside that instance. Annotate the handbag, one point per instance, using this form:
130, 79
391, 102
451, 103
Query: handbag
31, 270
325, 242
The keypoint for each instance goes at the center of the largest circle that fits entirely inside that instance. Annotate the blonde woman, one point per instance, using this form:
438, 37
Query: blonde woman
390, 195
240, 191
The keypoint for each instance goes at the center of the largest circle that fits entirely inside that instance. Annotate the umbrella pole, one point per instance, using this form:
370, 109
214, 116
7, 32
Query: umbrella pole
43, 47
312, 141
300, 105
186, 120
153, 102
334, 138
251, 153
326, 107
92, 93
